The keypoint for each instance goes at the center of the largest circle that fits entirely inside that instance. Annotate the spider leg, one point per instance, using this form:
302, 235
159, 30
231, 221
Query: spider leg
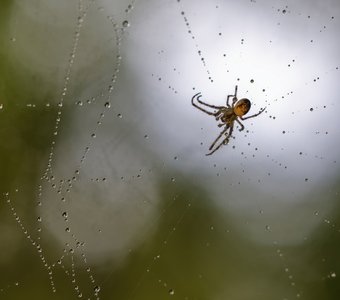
239, 123
222, 132
230, 132
197, 96
234, 96
260, 112
200, 108
209, 105
228, 105
224, 142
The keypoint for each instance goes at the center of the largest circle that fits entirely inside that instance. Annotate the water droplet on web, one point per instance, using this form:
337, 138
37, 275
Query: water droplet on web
251, 80
107, 104
126, 23
97, 289
333, 274
171, 292
93, 135
119, 116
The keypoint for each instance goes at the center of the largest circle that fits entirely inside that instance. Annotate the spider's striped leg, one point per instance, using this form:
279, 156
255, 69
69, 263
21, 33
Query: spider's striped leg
224, 142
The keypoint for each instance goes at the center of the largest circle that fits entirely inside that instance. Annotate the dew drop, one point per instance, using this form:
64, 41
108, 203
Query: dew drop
251, 80
119, 116
126, 23
171, 292
107, 104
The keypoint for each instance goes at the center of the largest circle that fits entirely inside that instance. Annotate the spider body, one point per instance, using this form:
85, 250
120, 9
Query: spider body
227, 115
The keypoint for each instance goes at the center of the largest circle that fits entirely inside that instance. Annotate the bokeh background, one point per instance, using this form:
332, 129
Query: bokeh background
106, 191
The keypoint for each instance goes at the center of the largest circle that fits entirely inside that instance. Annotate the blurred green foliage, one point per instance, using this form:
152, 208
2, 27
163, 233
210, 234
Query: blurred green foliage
195, 252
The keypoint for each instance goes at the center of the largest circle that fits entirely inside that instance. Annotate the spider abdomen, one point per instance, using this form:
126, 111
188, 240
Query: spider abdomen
242, 107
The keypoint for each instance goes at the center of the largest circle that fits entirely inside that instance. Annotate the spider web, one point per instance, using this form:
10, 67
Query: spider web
106, 189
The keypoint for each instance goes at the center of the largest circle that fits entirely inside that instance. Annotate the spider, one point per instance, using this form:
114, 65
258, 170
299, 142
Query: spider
227, 115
